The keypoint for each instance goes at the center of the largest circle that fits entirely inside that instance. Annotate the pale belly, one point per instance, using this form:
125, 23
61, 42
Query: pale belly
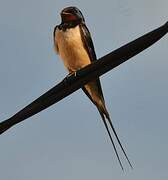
71, 50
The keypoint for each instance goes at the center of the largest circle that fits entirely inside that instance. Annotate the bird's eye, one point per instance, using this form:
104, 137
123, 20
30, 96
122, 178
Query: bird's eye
73, 11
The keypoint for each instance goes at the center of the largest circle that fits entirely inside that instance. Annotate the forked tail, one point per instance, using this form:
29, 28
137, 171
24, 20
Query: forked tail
105, 116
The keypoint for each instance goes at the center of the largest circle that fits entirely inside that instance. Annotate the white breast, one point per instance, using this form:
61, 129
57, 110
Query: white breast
71, 49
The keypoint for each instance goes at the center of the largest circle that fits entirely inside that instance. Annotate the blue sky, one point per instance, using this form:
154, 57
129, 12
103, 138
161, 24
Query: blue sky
68, 140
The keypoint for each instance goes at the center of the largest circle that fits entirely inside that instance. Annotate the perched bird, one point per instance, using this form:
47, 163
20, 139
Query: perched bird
72, 41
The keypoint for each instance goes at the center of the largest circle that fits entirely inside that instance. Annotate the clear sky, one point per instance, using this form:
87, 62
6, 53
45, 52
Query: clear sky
68, 140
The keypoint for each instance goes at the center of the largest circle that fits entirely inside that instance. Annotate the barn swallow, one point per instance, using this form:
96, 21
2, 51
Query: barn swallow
73, 42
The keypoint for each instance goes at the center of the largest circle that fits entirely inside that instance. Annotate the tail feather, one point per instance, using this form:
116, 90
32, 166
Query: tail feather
119, 142
103, 112
105, 123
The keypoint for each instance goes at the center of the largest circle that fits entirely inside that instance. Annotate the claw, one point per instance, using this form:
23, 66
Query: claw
73, 73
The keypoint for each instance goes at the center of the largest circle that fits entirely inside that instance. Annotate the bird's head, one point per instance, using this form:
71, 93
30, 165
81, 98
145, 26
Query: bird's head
71, 14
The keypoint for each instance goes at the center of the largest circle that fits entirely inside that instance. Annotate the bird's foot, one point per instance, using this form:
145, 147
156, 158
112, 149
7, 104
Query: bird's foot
73, 73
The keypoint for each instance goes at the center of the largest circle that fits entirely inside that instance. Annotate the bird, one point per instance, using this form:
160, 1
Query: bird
74, 45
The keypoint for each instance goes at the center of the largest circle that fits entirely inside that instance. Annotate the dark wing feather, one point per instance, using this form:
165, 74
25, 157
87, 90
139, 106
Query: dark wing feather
87, 41
88, 44
54, 39
54, 32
